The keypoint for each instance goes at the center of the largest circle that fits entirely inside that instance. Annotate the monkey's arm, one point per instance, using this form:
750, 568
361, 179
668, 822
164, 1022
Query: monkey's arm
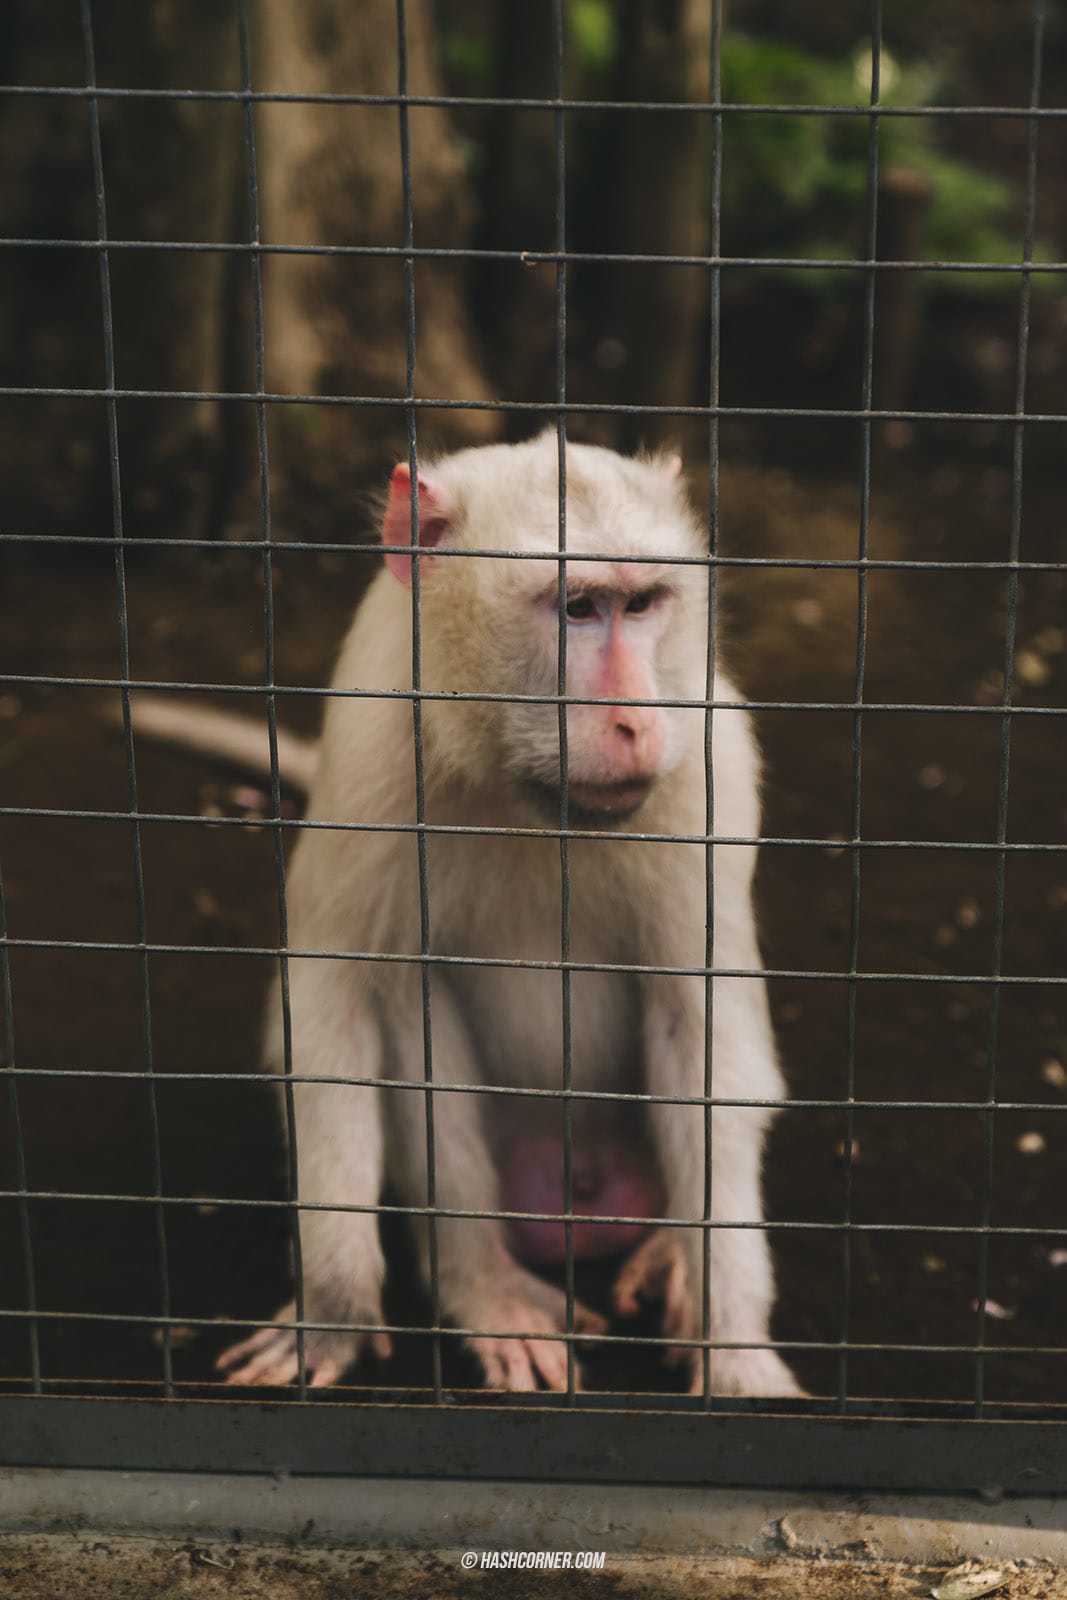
738, 1261
512, 1312
339, 1147
744, 1065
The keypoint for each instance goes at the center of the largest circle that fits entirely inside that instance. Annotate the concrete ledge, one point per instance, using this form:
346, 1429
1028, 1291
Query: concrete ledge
443, 1515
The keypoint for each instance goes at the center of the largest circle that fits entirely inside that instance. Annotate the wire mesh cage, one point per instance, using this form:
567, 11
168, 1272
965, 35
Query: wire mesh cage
894, 619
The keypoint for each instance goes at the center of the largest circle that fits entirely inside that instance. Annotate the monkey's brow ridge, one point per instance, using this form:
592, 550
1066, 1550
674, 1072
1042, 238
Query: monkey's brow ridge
576, 586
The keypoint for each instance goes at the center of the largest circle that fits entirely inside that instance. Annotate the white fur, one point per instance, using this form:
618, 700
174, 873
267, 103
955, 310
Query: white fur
486, 626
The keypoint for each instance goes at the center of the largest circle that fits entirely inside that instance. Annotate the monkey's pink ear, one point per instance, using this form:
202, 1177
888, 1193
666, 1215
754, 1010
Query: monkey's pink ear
671, 466
435, 517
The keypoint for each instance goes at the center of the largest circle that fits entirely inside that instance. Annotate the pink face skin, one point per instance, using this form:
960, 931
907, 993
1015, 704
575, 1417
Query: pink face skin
615, 617
611, 1178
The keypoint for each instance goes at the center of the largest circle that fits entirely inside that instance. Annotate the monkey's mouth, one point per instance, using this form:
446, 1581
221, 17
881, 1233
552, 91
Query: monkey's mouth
594, 804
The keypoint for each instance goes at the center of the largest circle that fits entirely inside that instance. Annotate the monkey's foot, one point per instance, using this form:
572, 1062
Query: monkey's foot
516, 1303
270, 1357
752, 1372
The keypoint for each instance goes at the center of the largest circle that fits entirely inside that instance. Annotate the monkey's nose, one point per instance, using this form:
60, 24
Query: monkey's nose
638, 742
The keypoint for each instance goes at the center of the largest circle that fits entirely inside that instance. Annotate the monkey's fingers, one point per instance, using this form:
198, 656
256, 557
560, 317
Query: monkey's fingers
325, 1373
538, 1306
654, 1271
518, 1303
588, 1323
506, 1364
517, 1364
271, 1370
549, 1356
590, 1327
382, 1345
235, 1354
679, 1319
279, 1364
270, 1355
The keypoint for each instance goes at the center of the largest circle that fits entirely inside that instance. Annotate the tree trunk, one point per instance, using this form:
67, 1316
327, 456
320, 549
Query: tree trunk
331, 175
903, 201
176, 171
660, 313
517, 303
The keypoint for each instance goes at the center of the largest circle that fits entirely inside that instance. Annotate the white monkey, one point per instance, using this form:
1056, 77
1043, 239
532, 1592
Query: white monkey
636, 632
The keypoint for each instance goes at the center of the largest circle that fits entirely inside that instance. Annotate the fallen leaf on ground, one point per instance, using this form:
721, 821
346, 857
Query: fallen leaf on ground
968, 1582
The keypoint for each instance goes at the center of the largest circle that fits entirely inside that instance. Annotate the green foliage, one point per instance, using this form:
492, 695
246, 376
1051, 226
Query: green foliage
594, 33
594, 38
468, 58
797, 185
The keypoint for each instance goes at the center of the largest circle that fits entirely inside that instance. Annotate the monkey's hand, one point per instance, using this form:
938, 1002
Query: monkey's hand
270, 1356
514, 1302
658, 1270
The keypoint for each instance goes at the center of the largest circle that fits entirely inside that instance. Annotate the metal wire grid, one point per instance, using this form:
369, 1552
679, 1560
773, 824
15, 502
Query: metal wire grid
411, 404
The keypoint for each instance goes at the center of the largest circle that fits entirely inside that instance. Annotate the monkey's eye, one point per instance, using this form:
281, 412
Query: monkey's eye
639, 602
581, 608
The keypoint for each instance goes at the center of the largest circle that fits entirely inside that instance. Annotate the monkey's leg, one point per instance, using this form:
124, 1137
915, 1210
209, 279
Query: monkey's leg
511, 1312
740, 1274
740, 1270
336, 1035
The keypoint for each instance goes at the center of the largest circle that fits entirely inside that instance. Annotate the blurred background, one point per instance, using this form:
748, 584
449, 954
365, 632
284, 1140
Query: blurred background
483, 173
945, 488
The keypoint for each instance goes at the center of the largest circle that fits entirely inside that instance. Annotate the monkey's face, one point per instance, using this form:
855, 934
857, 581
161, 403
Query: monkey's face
635, 618
622, 621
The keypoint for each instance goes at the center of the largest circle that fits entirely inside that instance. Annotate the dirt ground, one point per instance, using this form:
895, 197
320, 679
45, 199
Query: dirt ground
935, 637
128, 1569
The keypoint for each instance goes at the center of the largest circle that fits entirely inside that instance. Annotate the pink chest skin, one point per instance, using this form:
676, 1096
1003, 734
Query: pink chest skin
612, 1177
